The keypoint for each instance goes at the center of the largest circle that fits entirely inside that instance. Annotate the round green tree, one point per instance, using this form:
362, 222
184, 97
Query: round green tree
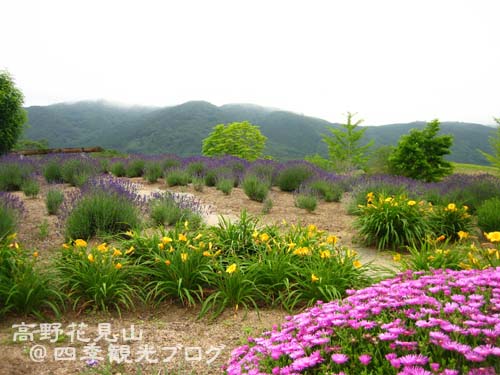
420, 154
241, 139
12, 114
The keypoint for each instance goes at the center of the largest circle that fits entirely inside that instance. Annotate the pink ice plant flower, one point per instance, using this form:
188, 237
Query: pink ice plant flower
458, 312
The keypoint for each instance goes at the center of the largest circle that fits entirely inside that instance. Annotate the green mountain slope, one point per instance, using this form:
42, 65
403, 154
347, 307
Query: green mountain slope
180, 129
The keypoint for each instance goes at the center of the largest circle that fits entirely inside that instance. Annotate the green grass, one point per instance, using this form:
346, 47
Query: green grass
473, 168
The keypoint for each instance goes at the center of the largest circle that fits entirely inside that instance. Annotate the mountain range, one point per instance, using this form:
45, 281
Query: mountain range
180, 129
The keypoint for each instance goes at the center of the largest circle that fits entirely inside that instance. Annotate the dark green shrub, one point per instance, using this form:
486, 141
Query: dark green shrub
177, 177
153, 171
265, 172
198, 183
255, 189
13, 175
53, 201
8, 221
52, 172
268, 205
165, 211
211, 177
392, 222
100, 213
76, 172
196, 168
170, 164
118, 169
30, 188
420, 154
97, 278
103, 165
449, 220
135, 168
307, 202
24, 289
225, 185
488, 215
325, 190
292, 177
360, 194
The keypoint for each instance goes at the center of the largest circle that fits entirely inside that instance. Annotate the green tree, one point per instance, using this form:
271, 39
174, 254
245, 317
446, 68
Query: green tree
344, 146
420, 154
12, 114
241, 139
494, 158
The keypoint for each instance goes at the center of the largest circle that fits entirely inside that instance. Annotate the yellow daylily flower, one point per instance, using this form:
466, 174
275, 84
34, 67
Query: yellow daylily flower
182, 237
493, 236
462, 235
314, 278
302, 251
396, 257
207, 254
35, 254
357, 263
168, 263
14, 245
451, 207
130, 250
161, 246
198, 236
441, 238
118, 266
231, 268
66, 246
80, 243
166, 240
184, 257
103, 247
324, 254
264, 237
90, 257
331, 240
412, 203
116, 252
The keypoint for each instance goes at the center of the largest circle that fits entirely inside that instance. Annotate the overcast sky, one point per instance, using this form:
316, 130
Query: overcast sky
389, 60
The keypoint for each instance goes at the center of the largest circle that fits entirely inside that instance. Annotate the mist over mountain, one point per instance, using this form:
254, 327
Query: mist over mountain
180, 129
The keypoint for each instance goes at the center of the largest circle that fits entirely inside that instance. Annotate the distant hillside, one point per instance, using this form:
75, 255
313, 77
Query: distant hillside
180, 129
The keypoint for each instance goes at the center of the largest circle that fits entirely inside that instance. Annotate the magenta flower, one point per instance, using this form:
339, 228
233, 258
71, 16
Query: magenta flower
339, 358
413, 360
365, 359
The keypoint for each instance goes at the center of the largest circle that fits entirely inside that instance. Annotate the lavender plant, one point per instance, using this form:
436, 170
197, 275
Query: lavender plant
11, 209
104, 206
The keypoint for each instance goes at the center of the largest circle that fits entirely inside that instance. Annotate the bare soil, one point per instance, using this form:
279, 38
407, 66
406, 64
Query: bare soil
164, 326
